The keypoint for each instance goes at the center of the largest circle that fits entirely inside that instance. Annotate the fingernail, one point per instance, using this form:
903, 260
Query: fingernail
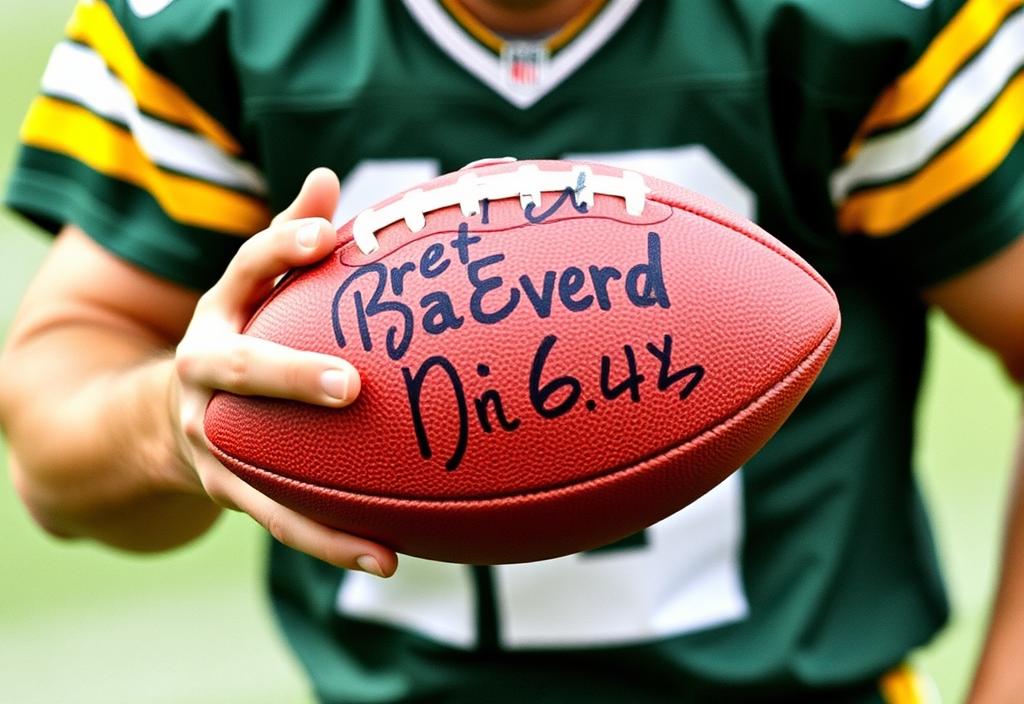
308, 235
335, 383
368, 563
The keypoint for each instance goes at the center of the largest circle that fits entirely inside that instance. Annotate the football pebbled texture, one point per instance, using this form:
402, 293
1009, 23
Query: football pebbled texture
542, 373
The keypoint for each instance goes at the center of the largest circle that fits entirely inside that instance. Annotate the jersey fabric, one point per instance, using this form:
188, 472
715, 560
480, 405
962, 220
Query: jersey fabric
880, 139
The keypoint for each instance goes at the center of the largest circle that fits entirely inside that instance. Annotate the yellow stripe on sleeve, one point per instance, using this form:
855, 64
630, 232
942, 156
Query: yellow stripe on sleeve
912, 92
72, 130
576, 25
977, 153
901, 685
93, 23
475, 27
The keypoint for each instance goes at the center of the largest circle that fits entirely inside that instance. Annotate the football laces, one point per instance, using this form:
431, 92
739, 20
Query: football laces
527, 183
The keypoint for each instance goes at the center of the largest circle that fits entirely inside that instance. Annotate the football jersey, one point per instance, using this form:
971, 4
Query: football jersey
881, 139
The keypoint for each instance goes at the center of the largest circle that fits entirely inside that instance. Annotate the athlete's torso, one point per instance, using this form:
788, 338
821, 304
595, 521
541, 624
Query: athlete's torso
818, 542
808, 572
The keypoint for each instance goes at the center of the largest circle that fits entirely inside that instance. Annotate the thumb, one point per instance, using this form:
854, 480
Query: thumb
317, 198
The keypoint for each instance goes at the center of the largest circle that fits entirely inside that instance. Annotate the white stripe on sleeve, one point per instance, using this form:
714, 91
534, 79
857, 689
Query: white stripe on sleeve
903, 151
79, 74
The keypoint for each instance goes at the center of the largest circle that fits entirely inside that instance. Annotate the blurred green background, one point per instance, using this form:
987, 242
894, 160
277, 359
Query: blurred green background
79, 623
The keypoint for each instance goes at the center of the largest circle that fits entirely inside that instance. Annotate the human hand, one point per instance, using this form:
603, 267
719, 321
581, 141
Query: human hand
213, 354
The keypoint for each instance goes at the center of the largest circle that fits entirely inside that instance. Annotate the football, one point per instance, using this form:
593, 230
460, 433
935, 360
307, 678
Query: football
554, 355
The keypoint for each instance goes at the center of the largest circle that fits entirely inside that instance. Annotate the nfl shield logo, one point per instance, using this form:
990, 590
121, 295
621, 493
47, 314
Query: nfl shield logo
523, 63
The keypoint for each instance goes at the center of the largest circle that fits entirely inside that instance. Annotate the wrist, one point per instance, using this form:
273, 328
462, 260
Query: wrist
172, 467
158, 501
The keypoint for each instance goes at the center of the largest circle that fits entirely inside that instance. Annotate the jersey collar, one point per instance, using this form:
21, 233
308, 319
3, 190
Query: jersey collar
520, 71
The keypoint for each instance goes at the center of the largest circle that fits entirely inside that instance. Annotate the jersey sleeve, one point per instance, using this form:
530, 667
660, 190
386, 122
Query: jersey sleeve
933, 180
124, 151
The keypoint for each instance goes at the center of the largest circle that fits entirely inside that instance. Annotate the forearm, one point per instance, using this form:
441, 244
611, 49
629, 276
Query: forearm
1000, 675
87, 413
107, 429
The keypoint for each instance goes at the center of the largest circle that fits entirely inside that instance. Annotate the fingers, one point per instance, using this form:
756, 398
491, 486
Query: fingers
317, 198
254, 367
215, 355
298, 532
266, 256
300, 235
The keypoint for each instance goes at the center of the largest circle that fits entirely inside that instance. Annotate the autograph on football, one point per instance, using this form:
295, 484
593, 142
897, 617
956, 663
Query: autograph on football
375, 295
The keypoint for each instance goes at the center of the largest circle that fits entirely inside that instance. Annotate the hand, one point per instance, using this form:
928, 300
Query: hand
213, 354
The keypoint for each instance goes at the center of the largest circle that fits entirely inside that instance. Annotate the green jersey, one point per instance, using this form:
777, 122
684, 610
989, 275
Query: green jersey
880, 139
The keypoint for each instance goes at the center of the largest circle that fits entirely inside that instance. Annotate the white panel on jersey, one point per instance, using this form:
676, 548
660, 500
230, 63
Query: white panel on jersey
148, 8
373, 180
79, 74
692, 166
686, 578
435, 599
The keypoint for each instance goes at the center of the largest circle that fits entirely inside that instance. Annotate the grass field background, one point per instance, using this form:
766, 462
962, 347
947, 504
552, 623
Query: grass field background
79, 623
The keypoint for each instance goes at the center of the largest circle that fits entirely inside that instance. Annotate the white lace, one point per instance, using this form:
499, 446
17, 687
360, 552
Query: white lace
528, 182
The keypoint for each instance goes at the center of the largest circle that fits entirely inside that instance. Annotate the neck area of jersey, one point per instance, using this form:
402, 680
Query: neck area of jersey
521, 61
